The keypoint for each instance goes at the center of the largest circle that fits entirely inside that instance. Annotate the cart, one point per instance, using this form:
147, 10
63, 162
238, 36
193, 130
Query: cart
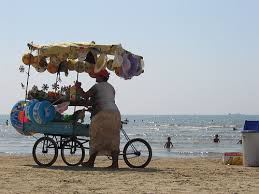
71, 137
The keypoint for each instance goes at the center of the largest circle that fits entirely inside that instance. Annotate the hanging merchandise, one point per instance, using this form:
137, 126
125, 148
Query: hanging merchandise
118, 71
109, 65
135, 64
80, 66
91, 57
140, 68
27, 58
126, 65
101, 62
63, 67
89, 68
118, 60
71, 64
52, 68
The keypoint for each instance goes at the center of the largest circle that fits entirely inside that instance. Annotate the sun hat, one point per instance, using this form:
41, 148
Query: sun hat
100, 63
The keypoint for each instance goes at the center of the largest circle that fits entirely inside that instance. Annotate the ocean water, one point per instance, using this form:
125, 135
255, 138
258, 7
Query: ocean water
192, 135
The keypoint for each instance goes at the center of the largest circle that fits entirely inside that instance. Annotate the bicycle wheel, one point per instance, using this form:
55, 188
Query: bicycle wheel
137, 153
45, 151
72, 152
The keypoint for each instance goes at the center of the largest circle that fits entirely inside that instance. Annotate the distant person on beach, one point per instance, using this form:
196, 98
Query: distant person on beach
216, 139
7, 122
168, 144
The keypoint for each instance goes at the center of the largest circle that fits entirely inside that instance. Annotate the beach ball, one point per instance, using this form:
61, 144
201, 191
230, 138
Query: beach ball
17, 117
71, 64
43, 112
27, 58
22, 118
29, 110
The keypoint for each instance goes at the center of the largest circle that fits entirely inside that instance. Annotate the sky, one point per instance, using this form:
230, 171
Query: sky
201, 57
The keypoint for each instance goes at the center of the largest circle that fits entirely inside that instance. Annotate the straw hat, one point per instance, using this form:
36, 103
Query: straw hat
27, 58
100, 64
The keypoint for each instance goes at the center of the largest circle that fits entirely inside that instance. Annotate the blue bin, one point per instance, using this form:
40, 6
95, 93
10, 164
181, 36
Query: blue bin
251, 126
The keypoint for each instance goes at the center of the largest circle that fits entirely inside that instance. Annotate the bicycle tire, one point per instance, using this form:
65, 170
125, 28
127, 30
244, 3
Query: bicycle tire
67, 146
137, 153
37, 158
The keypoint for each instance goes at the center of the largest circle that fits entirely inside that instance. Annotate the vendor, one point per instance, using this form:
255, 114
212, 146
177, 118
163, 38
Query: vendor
105, 121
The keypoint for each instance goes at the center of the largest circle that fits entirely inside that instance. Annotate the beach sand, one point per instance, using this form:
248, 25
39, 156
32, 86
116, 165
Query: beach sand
19, 174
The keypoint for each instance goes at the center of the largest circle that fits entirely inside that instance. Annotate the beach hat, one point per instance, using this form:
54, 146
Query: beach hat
80, 66
135, 63
54, 61
126, 65
91, 57
118, 60
89, 67
27, 58
118, 71
71, 64
100, 63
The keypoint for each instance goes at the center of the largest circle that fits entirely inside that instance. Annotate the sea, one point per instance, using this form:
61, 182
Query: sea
191, 135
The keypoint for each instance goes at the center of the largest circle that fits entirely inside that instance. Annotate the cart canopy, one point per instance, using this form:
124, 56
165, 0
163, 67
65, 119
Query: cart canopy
83, 57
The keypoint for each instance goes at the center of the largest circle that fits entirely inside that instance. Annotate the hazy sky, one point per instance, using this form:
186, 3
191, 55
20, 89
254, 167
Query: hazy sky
201, 57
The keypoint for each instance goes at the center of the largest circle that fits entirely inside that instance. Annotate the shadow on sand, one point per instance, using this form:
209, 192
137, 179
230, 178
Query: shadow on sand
100, 169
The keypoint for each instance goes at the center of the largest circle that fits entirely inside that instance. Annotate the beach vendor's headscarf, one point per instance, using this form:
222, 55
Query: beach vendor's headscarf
103, 73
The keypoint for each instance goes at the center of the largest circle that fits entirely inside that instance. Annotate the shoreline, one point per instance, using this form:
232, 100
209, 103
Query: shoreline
20, 174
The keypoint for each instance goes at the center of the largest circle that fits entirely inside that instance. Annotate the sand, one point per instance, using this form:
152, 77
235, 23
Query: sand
19, 174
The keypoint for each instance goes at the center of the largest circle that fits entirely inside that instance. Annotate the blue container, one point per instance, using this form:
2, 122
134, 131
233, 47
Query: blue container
251, 126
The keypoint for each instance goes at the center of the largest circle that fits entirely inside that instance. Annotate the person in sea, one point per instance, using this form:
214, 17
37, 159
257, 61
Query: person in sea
168, 144
7, 122
216, 139
105, 121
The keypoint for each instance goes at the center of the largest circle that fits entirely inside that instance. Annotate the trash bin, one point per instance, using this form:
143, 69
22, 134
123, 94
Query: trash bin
250, 137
